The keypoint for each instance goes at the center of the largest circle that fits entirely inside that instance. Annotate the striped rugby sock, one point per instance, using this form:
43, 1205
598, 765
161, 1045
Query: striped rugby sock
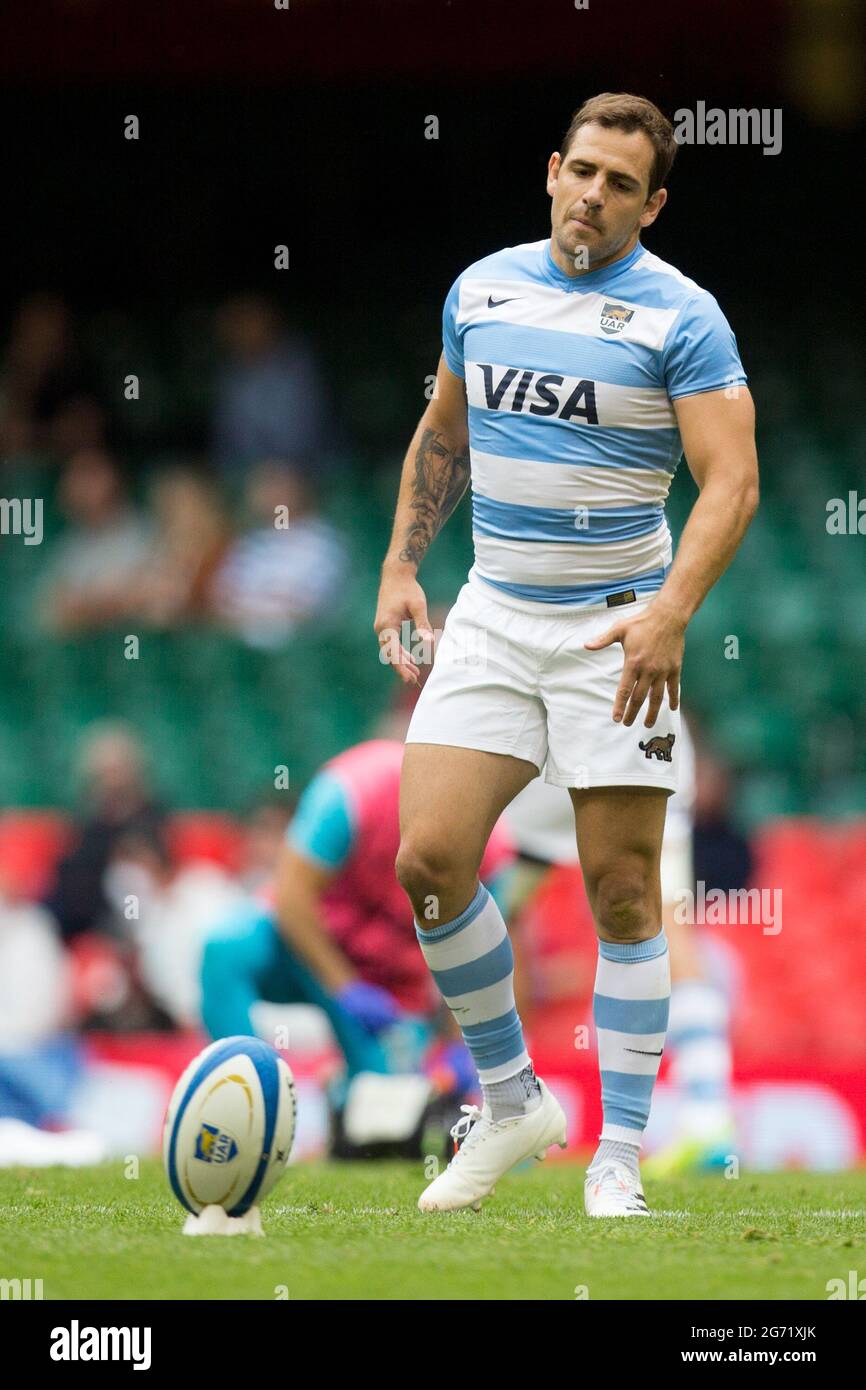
630, 1007
700, 1051
472, 963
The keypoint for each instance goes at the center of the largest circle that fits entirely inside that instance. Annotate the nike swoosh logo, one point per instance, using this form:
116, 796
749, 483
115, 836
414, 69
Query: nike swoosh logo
495, 303
641, 1052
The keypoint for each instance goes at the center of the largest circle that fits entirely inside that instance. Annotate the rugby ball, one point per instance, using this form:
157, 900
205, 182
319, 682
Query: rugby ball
229, 1126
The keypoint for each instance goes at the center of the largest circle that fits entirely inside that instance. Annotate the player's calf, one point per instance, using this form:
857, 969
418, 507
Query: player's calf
630, 1007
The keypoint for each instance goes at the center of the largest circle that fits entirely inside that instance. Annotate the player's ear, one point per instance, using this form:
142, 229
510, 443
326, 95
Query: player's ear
553, 167
653, 207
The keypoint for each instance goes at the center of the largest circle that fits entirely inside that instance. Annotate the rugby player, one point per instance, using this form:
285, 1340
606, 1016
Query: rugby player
575, 372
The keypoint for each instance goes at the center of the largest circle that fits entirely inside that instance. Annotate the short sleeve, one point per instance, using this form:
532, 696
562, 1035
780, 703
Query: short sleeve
702, 353
321, 828
452, 338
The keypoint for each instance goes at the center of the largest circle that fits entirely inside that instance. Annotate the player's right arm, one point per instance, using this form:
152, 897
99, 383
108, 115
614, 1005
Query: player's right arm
318, 843
434, 478
300, 884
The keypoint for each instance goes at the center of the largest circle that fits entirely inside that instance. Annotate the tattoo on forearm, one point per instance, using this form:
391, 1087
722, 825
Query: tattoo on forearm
441, 475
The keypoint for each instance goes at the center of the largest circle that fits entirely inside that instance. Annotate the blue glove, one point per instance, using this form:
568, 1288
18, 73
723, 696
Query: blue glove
370, 1005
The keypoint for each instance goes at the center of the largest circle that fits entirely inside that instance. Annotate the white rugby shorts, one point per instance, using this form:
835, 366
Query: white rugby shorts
510, 681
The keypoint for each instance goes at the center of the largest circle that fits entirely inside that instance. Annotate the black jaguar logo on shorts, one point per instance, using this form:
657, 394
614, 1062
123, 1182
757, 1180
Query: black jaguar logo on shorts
659, 747
614, 317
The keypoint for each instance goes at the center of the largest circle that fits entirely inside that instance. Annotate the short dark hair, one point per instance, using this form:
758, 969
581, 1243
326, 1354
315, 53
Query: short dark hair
628, 113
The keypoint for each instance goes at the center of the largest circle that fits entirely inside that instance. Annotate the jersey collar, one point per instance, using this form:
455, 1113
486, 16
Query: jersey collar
593, 279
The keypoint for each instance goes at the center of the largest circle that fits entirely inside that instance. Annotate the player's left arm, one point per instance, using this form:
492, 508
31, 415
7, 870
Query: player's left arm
718, 435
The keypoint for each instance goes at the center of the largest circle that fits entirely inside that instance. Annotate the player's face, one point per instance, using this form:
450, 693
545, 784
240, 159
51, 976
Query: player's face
599, 187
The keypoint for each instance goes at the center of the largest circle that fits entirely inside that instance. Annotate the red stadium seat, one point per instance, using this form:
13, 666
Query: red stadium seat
197, 835
31, 843
801, 990
99, 974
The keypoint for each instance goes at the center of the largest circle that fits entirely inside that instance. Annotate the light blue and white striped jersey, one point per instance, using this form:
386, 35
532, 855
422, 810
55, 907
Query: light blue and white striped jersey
573, 437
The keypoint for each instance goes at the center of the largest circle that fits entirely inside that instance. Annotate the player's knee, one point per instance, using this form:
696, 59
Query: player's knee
624, 905
424, 870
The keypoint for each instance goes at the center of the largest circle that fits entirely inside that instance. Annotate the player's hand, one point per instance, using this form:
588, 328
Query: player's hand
370, 1005
653, 643
400, 598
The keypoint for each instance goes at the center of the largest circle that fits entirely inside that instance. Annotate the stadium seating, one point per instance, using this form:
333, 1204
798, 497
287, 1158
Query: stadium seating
787, 708
30, 845
797, 993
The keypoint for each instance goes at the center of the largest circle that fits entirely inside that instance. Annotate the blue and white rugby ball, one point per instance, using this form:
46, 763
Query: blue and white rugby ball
229, 1126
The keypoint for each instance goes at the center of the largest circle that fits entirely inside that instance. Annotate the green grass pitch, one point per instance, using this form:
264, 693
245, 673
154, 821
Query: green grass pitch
352, 1231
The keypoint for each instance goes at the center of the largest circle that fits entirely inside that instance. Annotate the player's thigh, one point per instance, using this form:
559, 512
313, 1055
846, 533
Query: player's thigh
619, 839
245, 947
451, 798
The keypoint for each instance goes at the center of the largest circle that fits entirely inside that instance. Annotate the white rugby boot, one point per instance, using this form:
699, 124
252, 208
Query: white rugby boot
611, 1190
489, 1149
